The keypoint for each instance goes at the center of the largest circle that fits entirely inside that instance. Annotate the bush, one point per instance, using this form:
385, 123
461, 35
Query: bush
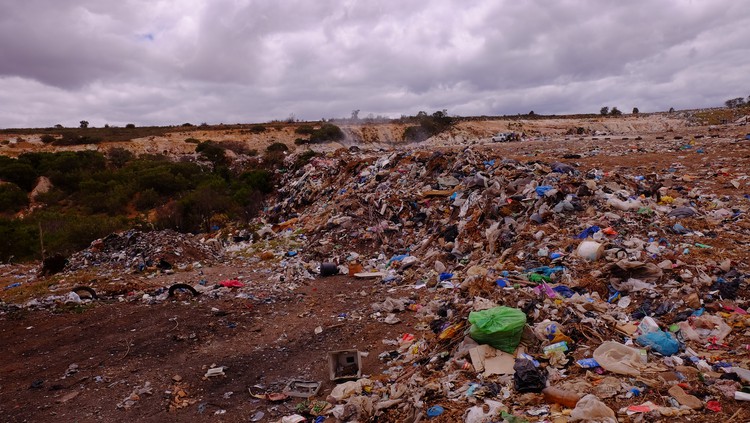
604, 111
258, 180
212, 152
71, 138
304, 130
192, 141
19, 173
615, 112
301, 141
258, 129
119, 156
147, 200
327, 132
130, 126
19, 239
429, 125
277, 146
12, 198
48, 139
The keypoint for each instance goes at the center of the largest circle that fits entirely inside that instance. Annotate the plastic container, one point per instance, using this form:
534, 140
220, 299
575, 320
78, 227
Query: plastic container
560, 396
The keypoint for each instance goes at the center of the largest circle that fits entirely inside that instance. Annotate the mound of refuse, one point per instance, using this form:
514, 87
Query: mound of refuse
136, 250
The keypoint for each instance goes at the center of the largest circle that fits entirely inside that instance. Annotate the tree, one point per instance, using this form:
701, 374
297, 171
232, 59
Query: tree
671, 110
735, 102
635, 110
130, 126
84, 124
604, 111
355, 114
615, 111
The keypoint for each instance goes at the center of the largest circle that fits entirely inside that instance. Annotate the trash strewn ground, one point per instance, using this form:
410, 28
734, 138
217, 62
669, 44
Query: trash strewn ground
541, 280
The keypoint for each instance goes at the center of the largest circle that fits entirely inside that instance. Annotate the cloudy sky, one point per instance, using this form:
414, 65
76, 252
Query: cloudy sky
164, 62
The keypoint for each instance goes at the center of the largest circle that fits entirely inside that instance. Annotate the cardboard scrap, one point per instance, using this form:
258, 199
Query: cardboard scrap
491, 361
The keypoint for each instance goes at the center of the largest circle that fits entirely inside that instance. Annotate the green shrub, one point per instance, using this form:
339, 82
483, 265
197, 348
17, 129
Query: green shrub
48, 139
12, 198
19, 173
277, 146
192, 141
147, 199
70, 138
19, 239
301, 141
119, 156
212, 152
305, 130
327, 132
258, 129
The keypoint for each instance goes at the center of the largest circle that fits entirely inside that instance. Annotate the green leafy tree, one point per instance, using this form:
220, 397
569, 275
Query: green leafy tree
84, 124
604, 111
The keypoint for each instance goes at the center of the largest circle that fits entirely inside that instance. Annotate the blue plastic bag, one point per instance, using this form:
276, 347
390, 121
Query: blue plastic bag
662, 342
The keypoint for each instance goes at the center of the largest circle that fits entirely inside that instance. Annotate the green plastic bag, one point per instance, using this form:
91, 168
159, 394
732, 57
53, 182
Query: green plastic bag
500, 327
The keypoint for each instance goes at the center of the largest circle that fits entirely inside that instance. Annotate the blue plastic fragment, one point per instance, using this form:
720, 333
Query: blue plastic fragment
588, 232
564, 291
542, 189
434, 411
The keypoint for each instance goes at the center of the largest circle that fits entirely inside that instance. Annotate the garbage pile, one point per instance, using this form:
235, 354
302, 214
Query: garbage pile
545, 292
135, 250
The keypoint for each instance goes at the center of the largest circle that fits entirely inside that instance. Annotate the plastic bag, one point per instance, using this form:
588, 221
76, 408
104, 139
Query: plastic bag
500, 327
705, 327
662, 342
528, 378
617, 358
590, 409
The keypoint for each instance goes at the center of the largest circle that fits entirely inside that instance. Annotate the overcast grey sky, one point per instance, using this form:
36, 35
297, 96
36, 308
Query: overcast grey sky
168, 62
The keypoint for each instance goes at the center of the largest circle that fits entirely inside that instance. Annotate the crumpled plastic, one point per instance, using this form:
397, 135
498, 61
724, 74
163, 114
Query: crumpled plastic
590, 409
617, 358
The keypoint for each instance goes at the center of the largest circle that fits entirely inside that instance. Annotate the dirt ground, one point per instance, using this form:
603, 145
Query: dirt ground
117, 346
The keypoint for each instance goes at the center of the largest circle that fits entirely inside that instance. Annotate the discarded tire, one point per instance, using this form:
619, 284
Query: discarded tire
328, 269
182, 287
89, 292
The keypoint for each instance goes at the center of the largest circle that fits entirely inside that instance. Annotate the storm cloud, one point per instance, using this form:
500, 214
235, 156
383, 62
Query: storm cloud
164, 62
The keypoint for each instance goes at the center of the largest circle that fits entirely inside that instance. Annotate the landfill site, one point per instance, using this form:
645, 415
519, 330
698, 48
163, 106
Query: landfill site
577, 270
